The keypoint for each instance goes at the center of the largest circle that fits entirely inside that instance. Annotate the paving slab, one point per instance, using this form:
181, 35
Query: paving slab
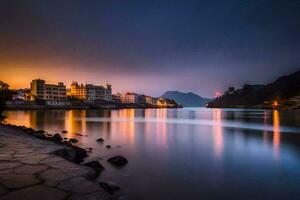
79, 185
38, 192
9, 165
3, 190
30, 171
93, 196
14, 181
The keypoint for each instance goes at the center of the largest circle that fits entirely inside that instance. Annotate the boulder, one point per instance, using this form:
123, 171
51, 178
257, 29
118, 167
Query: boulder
95, 165
56, 137
108, 146
40, 134
40, 131
72, 153
30, 131
68, 143
110, 187
118, 161
100, 140
73, 140
64, 131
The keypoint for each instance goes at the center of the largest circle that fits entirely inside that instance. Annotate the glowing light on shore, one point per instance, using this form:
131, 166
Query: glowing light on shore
218, 94
275, 104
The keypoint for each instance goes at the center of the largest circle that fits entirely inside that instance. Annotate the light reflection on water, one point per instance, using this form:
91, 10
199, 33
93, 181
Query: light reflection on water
218, 135
276, 133
187, 153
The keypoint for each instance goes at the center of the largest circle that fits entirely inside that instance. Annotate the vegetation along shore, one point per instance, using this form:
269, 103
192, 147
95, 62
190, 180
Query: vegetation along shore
284, 93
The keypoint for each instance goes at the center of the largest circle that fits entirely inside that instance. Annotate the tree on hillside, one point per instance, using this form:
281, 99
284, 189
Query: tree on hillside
5, 95
230, 90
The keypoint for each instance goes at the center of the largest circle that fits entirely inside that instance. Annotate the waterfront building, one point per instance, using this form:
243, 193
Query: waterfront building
52, 94
117, 97
129, 97
147, 99
90, 92
108, 93
77, 91
161, 102
164, 102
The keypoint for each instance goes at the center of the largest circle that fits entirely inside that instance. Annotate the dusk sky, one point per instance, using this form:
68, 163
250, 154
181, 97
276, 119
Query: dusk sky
149, 46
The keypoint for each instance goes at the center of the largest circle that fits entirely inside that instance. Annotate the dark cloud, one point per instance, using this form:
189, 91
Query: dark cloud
222, 39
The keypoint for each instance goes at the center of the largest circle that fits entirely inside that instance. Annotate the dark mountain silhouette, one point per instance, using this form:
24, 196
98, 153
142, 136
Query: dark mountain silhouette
280, 90
186, 99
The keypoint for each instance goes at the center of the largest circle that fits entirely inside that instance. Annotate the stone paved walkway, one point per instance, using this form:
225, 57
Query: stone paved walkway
28, 171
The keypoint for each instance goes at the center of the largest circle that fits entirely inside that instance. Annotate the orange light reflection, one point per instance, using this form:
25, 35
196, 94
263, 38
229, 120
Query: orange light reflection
218, 132
276, 133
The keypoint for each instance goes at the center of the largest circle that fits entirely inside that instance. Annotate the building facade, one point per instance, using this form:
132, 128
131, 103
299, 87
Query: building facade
51, 93
90, 92
130, 97
77, 91
147, 99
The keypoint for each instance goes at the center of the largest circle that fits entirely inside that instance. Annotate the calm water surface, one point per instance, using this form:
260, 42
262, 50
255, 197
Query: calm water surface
191, 153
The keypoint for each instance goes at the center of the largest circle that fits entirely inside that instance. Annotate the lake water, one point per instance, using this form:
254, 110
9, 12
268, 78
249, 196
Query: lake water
190, 153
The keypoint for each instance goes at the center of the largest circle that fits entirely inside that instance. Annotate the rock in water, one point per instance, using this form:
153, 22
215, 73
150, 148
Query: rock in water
118, 161
67, 143
96, 166
40, 134
73, 140
40, 131
109, 187
100, 140
29, 131
72, 154
56, 137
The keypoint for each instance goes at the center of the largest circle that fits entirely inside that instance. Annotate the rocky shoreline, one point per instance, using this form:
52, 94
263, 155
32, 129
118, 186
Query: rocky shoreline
38, 165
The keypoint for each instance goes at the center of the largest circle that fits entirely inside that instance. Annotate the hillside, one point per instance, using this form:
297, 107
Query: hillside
186, 99
281, 90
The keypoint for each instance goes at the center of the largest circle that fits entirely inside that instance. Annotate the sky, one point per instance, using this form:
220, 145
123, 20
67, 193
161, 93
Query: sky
149, 46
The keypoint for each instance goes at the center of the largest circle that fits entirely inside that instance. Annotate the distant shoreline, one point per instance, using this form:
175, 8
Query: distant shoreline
83, 107
257, 107
38, 107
